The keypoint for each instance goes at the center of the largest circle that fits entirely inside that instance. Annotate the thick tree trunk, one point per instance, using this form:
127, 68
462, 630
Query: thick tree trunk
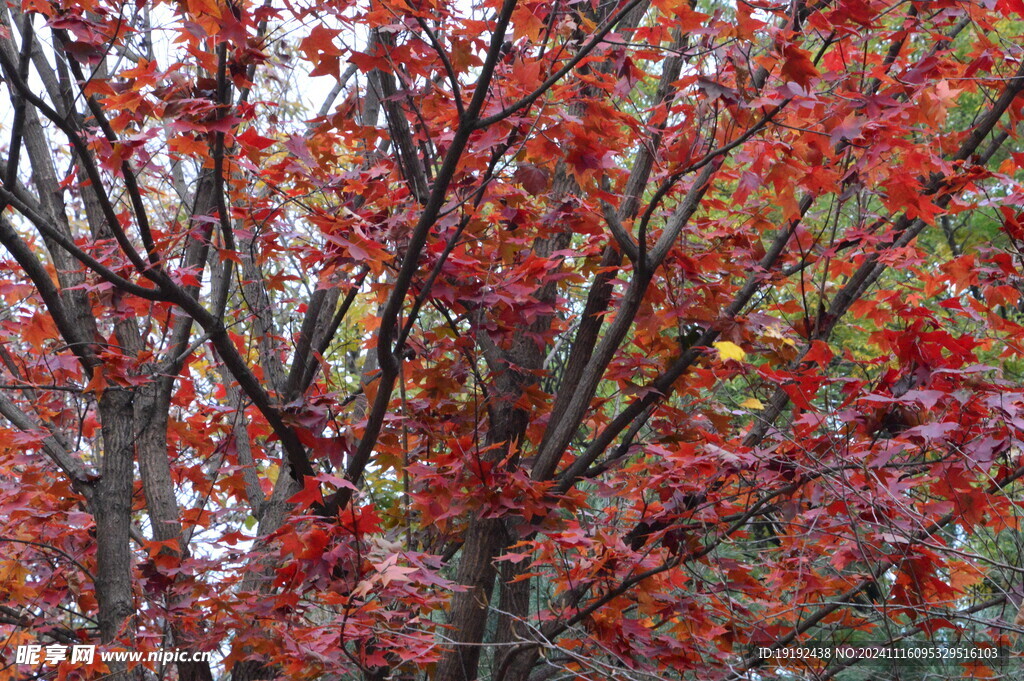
485, 538
113, 513
514, 610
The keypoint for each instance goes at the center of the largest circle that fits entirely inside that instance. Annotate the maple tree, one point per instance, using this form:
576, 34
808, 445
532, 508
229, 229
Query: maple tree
556, 339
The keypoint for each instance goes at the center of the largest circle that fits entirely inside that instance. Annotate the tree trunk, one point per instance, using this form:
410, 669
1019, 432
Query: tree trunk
113, 513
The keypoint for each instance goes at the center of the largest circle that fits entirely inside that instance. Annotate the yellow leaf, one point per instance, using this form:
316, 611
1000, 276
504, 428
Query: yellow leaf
775, 331
727, 351
752, 403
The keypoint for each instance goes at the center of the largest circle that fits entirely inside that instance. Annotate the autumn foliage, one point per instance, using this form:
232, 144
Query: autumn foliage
509, 340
